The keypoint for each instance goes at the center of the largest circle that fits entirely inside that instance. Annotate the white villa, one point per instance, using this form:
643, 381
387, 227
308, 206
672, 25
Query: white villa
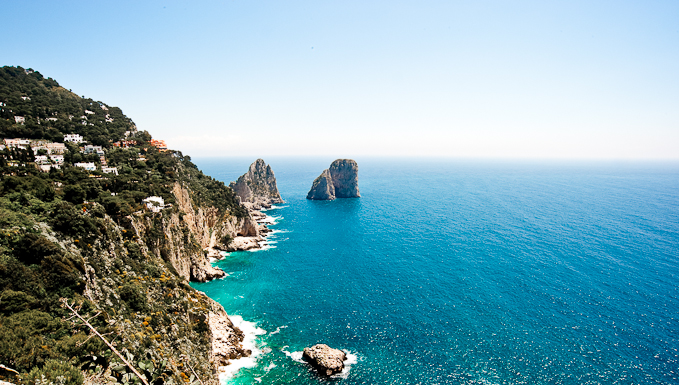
19, 119
59, 159
154, 203
17, 143
75, 138
89, 166
110, 170
89, 149
55, 148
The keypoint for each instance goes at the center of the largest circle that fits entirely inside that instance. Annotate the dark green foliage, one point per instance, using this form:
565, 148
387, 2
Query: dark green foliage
32, 248
29, 338
74, 194
133, 294
67, 219
16, 301
55, 372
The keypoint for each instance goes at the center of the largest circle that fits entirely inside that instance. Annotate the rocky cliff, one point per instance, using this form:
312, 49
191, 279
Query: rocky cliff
338, 181
135, 285
87, 239
257, 187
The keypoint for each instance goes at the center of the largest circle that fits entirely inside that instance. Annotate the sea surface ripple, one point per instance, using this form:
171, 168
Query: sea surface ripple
466, 272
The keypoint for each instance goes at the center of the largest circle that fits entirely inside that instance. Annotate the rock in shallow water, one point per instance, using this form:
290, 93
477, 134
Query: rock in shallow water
327, 360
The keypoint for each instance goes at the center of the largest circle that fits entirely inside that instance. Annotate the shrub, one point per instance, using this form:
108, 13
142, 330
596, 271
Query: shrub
134, 295
55, 372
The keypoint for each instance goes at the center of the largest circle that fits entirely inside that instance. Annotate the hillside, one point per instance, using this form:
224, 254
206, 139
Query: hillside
114, 223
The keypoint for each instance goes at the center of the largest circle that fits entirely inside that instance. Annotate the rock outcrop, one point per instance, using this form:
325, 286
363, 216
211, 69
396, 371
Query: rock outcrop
206, 226
322, 188
327, 360
257, 188
338, 181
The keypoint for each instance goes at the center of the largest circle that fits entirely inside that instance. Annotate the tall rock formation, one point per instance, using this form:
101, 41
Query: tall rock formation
338, 181
257, 187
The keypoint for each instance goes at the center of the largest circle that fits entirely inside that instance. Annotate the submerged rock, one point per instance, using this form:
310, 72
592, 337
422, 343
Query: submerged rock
327, 360
257, 187
338, 181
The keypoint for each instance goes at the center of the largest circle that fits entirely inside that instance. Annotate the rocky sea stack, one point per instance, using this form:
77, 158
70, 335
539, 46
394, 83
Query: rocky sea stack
257, 188
338, 181
327, 360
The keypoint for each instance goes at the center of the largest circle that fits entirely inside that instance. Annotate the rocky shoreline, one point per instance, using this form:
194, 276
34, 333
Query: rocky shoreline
257, 192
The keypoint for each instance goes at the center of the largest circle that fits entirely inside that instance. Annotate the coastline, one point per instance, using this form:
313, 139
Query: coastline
222, 325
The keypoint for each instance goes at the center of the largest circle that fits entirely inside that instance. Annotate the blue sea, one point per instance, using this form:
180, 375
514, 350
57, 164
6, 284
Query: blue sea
463, 272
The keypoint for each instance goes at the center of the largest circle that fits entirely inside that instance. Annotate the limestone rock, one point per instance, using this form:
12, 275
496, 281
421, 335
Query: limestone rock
322, 188
344, 174
338, 181
327, 360
257, 187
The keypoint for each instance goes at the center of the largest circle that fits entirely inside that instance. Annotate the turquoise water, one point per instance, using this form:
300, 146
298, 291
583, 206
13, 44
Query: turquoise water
466, 272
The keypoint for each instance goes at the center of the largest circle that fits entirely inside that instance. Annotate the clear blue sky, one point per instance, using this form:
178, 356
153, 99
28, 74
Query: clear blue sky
531, 79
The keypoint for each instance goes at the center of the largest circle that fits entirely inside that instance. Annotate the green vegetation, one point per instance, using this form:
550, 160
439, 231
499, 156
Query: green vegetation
27, 93
68, 233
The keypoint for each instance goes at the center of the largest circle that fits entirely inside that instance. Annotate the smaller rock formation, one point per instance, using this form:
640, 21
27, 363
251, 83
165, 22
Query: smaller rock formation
257, 187
322, 188
327, 360
338, 181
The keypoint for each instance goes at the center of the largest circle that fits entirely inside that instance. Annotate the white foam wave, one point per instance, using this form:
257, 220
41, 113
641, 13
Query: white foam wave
295, 356
264, 245
273, 207
271, 366
250, 331
277, 231
352, 358
269, 220
278, 330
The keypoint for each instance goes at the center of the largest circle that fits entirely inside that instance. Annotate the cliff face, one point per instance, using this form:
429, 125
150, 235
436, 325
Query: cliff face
257, 187
338, 181
140, 286
344, 174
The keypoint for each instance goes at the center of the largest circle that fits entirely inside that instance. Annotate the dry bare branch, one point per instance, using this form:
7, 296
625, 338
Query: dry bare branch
64, 301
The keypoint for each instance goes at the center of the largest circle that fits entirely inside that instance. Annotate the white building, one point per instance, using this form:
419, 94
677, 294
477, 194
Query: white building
89, 112
19, 119
110, 170
75, 138
89, 166
59, 159
90, 149
55, 148
18, 143
154, 203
